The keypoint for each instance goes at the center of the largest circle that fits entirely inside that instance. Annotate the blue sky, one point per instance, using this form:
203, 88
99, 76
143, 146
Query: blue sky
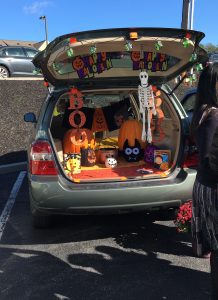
20, 18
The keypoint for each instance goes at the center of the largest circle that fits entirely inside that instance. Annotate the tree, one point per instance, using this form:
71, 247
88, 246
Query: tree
209, 47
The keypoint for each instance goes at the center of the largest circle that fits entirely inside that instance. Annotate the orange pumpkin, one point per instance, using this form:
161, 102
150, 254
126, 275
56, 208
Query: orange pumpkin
78, 63
99, 122
135, 55
75, 139
130, 130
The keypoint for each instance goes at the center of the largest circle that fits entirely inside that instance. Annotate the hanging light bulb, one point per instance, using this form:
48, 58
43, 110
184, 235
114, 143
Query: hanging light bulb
128, 46
193, 57
37, 71
158, 45
186, 42
199, 67
55, 66
93, 49
193, 77
70, 52
72, 40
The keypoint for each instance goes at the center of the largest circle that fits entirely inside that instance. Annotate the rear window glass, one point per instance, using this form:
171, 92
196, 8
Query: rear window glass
114, 64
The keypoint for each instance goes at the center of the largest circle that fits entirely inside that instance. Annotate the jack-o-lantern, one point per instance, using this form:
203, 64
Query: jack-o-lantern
135, 55
99, 122
78, 63
110, 162
88, 157
73, 163
75, 139
130, 130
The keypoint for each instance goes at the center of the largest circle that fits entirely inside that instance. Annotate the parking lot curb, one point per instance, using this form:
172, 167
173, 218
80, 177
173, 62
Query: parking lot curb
15, 167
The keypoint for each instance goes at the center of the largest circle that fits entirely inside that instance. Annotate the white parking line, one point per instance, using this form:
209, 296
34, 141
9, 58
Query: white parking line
9, 205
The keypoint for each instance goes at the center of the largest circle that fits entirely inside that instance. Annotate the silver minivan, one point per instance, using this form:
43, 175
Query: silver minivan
87, 154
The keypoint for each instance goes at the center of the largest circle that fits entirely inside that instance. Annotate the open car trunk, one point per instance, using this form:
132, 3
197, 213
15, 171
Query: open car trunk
99, 124
109, 145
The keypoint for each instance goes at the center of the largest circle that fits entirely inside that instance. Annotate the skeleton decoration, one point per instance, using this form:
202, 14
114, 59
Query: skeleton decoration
147, 106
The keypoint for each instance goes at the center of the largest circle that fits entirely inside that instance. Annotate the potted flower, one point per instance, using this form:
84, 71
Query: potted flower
183, 217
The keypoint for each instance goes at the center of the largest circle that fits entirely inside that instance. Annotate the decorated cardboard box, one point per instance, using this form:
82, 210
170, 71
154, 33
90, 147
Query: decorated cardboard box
162, 159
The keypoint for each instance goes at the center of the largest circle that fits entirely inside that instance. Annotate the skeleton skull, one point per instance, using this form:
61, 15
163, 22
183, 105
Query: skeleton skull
110, 162
144, 78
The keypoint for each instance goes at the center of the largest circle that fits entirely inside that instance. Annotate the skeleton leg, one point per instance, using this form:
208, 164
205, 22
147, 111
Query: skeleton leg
149, 136
143, 128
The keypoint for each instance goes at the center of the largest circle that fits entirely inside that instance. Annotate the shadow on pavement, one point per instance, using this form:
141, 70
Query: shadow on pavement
109, 273
116, 257
13, 157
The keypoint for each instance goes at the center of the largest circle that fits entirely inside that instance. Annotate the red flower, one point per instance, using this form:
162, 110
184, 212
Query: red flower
183, 217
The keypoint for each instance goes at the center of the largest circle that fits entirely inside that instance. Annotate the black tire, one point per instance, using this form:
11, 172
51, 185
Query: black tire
41, 221
4, 73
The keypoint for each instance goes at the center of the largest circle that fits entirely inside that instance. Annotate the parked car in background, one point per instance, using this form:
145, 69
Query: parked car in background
213, 59
188, 102
17, 61
103, 83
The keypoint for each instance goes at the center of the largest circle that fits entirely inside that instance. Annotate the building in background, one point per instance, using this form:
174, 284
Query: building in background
37, 45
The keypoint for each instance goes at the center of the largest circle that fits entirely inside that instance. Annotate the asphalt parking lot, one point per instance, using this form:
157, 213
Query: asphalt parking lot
135, 256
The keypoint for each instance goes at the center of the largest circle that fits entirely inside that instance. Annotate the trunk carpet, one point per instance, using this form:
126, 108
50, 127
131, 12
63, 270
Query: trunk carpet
122, 172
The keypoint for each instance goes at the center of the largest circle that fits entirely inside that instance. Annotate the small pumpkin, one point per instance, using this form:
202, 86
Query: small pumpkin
135, 55
130, 130
78, 63
75, 139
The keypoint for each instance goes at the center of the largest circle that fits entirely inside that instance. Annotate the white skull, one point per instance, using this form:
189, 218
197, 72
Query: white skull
110, 162
144, 78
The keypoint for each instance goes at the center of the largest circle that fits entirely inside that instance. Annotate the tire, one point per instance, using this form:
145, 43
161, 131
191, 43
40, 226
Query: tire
4, 73
41, 221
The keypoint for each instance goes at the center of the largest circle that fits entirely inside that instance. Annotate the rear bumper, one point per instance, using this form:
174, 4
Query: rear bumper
56, 197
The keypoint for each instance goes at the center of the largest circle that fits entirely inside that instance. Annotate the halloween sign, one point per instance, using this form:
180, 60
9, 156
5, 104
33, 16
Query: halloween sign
88, 66
150, 61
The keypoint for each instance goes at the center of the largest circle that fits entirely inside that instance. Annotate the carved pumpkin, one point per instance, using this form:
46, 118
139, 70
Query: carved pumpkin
99, 122
75, 139
135, 55
130, 130
78, 63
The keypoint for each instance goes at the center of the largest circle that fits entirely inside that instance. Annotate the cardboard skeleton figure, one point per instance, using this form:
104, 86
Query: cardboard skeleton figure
146, 102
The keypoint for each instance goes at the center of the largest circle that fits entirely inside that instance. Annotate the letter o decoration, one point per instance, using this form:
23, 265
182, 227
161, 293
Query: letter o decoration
72, 118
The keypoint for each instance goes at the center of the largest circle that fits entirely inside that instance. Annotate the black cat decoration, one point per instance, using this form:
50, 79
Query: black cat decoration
132, 153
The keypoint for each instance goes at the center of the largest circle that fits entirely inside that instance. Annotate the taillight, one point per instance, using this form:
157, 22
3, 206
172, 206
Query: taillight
191, 155
41, 159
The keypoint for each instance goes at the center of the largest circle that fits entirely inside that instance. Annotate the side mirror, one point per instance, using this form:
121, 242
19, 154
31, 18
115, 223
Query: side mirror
30, 117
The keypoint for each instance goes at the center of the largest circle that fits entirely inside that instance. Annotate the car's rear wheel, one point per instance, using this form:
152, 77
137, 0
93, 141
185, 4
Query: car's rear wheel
4, 73
41, 221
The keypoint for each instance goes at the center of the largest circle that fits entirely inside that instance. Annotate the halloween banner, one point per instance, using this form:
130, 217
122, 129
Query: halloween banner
151, 61
88, 66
